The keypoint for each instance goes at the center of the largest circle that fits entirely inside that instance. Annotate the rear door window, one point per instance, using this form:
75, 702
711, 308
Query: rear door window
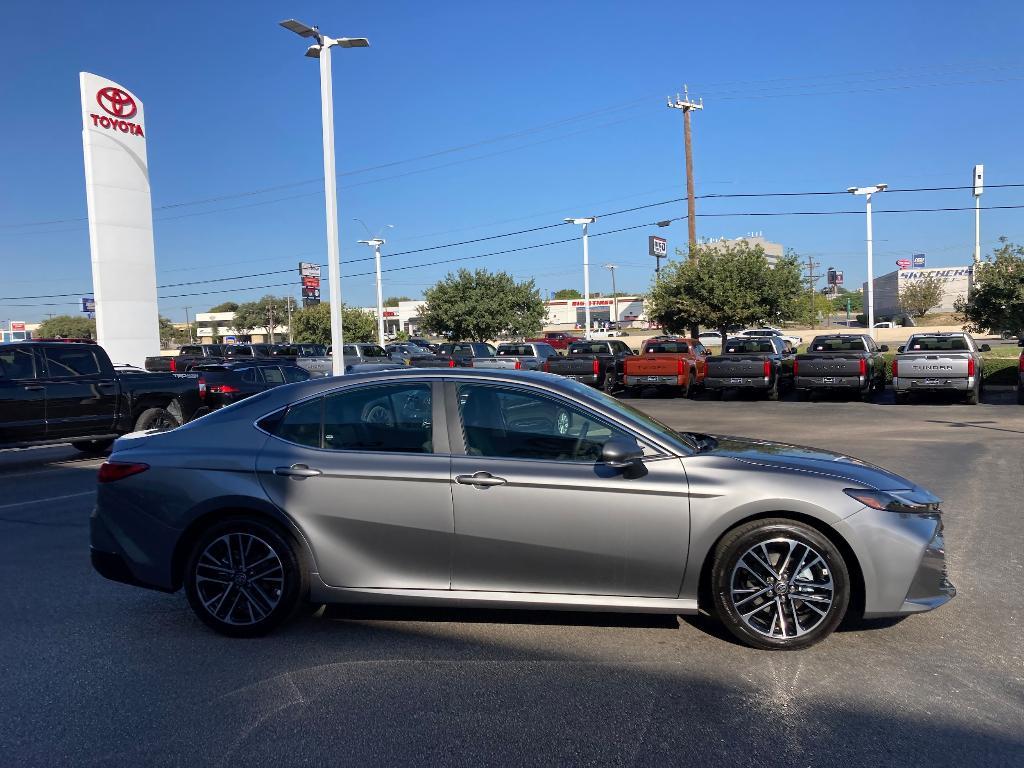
17, 363
392, 418
294, 373
71, 361
272, 375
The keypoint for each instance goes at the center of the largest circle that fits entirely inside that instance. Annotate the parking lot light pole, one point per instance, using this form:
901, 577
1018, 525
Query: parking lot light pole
376, 243
867, 192
321, 49
586, 221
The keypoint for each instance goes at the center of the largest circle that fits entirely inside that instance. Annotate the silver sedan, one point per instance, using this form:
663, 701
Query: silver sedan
507, 489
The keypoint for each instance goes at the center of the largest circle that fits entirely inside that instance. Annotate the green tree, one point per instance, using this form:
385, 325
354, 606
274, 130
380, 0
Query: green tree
810, 312
392, 301
723, 286
997, 301
67, 327
482, 305
312, 325
171, 335
257, 314
225, 306
921, 295
855, 298
567, 293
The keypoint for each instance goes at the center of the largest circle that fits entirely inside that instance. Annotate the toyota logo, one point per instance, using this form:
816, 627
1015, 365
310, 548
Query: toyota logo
116, 102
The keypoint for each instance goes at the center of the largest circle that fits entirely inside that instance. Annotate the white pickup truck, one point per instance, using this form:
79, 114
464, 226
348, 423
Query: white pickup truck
939, 362
527, 356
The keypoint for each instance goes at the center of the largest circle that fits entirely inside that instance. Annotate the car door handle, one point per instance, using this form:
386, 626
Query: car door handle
33, 388
480, 479
297, 471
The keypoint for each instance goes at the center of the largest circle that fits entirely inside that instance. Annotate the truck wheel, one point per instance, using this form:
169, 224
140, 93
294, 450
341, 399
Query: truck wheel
972, 396
1020, 395
902, 398
773, 393
609, 384
156, 418
691, 384
867, 395
803, 395
92, 446
779, 584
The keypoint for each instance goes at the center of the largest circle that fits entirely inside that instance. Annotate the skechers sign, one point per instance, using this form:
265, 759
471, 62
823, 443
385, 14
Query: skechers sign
120, 106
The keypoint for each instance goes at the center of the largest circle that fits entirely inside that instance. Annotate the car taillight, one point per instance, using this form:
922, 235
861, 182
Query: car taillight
895, 368
796, 367
863, 367
970, 366
451, 363
597, 367
518, 365
767, 369
174, 365
680, 366
1022, 363
118, 470
202, 388
547, 366
223, 389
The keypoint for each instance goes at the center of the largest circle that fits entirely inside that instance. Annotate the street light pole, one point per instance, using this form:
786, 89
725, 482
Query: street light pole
615, 294
322, 50
376, 243
586, 221
867, 192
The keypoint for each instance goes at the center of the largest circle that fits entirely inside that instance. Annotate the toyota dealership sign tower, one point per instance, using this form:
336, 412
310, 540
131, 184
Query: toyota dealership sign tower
120, 220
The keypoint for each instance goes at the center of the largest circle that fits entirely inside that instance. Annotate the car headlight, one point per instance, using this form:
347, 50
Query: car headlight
909, 500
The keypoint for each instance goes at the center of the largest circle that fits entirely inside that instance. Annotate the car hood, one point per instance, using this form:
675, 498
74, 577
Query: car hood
796, 458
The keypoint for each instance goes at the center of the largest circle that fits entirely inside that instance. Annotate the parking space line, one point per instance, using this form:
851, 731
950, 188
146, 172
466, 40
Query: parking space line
44, 501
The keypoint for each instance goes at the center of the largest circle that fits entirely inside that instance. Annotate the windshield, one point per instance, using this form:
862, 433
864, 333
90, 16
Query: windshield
677, 347
837, 345
515, 350
748, 347
588, 349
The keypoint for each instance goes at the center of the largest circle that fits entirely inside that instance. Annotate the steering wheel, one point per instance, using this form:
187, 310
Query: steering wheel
378, 414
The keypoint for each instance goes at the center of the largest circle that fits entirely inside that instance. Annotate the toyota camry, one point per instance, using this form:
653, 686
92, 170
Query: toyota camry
464, 487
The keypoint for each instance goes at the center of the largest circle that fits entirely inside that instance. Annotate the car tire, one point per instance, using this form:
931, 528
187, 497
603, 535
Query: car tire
1020, 395
972, 396
156, 418
691, 384
902, 398
608, 386
92, 446
803, 395
237, 600
747, 564
773, 393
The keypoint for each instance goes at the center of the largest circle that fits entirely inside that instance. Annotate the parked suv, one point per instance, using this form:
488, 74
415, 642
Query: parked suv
228, 382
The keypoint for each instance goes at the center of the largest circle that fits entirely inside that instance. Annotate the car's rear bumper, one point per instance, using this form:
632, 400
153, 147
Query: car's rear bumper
655, 380
109, 559
584, 378
739, 383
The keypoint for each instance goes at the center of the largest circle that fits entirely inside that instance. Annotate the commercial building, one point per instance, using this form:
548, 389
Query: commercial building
218, 328
957, 282
14, 330
772, 251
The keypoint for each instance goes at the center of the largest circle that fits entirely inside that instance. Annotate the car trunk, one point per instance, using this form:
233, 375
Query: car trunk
935, 366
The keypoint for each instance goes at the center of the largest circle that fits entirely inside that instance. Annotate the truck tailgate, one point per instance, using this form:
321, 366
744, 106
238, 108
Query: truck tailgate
946, 366
497, 362
579, 365
739, 366
829, 365
655, 365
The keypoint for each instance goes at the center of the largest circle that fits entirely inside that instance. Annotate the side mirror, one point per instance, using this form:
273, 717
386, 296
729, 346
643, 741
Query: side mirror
986, 348
621, 454
637, 351
900, 349
708, 352
884, 347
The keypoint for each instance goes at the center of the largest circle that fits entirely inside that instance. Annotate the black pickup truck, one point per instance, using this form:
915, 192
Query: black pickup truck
597, 363
187, 357
753, 364
458, 354
53, 392
848, 362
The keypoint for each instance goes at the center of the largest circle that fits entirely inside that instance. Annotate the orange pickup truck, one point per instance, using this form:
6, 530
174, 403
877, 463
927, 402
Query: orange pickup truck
666, 362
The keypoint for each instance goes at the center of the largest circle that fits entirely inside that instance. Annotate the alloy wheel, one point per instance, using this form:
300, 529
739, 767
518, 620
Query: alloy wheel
239, 579
781, 588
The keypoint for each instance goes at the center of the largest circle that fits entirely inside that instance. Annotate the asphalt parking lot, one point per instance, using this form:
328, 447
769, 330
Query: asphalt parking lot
101, 674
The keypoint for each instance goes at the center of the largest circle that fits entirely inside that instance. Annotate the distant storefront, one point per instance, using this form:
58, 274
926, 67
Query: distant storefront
957, 282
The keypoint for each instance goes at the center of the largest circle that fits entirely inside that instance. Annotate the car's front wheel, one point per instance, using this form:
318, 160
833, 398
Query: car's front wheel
779, 584
243, 578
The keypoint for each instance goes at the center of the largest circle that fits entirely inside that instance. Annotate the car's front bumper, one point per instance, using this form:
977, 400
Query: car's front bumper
902, 558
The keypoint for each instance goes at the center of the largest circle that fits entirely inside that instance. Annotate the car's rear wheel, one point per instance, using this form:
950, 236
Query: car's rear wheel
779, 584
902, 398
243, 578
972, 396
1020, 395
609, 386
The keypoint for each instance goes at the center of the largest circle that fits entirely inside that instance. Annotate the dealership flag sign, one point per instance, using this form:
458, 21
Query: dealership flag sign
120, 220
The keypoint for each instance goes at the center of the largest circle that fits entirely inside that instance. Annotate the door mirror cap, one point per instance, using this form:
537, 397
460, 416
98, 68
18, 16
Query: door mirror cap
986, 348
884, 347
900, 348
621, 454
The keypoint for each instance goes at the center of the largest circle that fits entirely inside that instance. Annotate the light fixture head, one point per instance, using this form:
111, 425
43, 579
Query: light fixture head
582, 220
867, 190
300, 29
353, 42
313, 51
663, 223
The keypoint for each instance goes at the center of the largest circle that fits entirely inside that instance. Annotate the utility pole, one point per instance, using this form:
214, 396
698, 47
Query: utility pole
188, 325
291, 336
270, 321
979, 188
615, 294
811, 287
683, 103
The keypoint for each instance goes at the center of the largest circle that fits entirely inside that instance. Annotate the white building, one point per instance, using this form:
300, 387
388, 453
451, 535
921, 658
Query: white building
217, 328
772, 251
957, 282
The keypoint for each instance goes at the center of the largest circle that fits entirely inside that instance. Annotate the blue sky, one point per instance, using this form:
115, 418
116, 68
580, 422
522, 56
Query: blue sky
558, 108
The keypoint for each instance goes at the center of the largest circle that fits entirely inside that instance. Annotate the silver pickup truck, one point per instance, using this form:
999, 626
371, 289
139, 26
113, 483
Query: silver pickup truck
525, 356
938, 362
